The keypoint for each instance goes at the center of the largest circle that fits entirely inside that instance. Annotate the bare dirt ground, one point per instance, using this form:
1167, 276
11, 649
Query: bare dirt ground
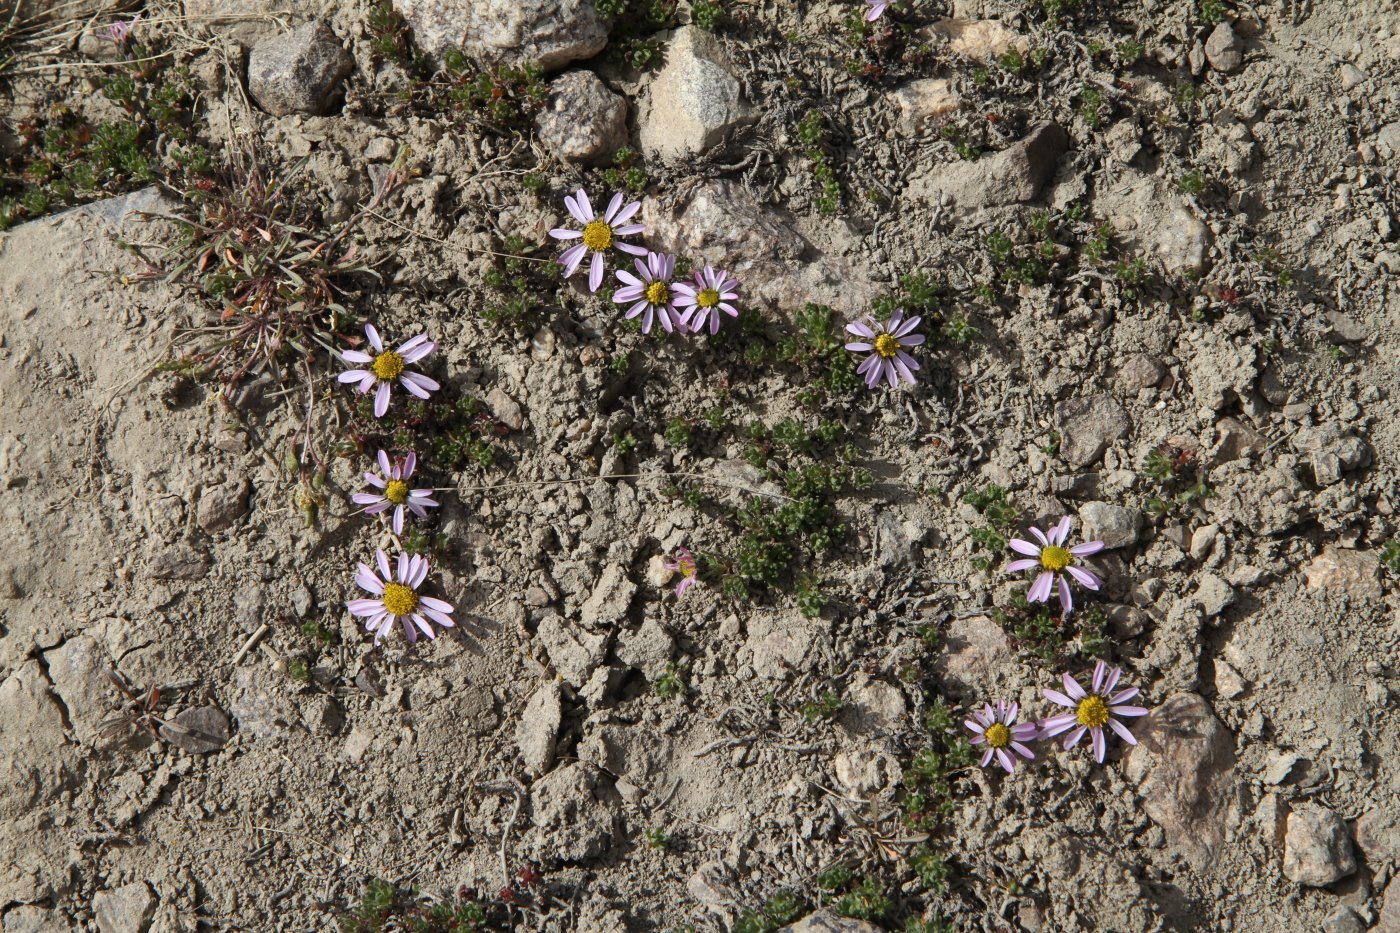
1174, 318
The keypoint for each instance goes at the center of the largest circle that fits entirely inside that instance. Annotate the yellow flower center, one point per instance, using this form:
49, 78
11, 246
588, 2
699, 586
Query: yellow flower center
396, 491
707, 298
388, 365
597, 236
658, 293
1092, 712
885, 345
400, 600
997, 735
1055, 558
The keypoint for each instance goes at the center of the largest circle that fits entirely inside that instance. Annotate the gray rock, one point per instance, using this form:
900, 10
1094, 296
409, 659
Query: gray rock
1378, 834
1203, 541
1343, 920
179, 562
300, 71
978, 39
505, 409
78, 669
706, 885
924, 100
1213, 595
1011, 176
1076, 486
537, 732
1140, 371
1334, 448
900, 539
1196, 59
198, 731
1184, 766
1112, 524
971, 651
584, 121
260, 706
1236, 440
695, 100
30, 918
322, 714
572, 823
1343, 328
1224, 48
1316, 847
574, 654
610, 600
548, 33
648, 648
1127, 621
128, 909
127, 209
1389, 921
221, 506
823, 922
1154, 218
1351, 76
1087, 426
776, 266
1228, 682
1388, 140
1357, 573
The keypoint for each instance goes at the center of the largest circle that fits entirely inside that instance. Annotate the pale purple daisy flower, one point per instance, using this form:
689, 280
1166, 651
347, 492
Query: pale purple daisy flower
1002, 735
1093, 709
387, 365
396, 598
599, 234
886, 344
685, 565
653, 292
712, 293
121, 29
392, 479
877, 9
1056, 561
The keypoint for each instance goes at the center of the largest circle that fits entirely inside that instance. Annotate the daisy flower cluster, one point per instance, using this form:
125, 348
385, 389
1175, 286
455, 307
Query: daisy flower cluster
1092, 712
394, 586
652, 292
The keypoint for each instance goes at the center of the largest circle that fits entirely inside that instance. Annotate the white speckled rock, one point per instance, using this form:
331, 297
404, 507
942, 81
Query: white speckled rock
584, 121
299, 71
548, 33
694, 100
